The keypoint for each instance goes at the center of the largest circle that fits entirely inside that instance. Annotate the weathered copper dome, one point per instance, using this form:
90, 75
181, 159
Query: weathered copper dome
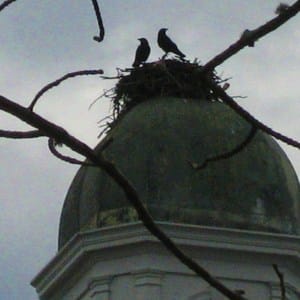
154, 145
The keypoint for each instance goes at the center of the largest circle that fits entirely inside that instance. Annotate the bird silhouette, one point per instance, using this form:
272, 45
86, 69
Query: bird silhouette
166, 44
142, 52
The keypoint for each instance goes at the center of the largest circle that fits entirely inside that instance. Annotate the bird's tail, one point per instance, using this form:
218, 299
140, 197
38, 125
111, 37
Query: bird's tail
181, 55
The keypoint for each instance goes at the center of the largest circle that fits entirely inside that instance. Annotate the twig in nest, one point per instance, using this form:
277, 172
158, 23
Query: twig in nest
103, 131
103, 119
228, 154
100, 37
106, 126
51, 146
104, 94
21, 134
170, 78
224, 80
165, 68
60, 80
111, 77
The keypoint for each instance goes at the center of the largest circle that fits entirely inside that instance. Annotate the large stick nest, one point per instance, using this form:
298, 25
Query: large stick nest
162, 78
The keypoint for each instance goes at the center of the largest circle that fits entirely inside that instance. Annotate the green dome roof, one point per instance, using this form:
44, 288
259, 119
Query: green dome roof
154, 144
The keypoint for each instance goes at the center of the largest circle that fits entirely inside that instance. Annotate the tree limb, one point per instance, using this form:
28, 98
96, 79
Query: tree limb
100, 37
21, 134
59, 134
220, 93
228, 154
6, 3
253, 35
60, 80
51, 146
281, 280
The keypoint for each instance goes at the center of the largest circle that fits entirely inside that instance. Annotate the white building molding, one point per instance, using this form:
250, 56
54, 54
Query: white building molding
98, 264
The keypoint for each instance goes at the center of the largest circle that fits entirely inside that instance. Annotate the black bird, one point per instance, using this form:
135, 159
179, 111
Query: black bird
167, 44
142, 52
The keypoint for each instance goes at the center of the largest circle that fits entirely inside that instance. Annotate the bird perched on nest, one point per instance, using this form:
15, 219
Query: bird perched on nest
142, 52
167, 44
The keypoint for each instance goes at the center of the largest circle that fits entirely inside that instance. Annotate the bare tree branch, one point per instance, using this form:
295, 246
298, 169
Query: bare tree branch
51, 146
253, 35
99, 21
56, 133
61, 135
220, 93
228, 154
6, 3
21, 134
60, 80
281, 280
98, 38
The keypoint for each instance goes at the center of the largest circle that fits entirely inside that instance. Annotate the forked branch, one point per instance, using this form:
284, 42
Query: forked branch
71, 160
59, 81
228, 154
253, 35
61, 135
221, 94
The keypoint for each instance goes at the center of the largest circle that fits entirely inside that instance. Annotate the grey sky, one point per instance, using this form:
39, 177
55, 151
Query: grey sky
41, 41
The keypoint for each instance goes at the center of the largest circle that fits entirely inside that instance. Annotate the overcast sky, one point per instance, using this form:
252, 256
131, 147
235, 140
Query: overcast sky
43, 40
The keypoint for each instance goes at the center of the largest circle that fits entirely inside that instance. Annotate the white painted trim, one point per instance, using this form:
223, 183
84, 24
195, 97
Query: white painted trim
191, 237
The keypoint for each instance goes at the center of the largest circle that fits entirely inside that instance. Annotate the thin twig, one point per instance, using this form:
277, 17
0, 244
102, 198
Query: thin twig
224, 80
220, 93
165, 69
228, 154
104, 94
6, 3
71, 160
59, 134
281, 280
112, 77
100, 37
104, 130
103, 119
253, 36
60, 80
239, 97
21, 134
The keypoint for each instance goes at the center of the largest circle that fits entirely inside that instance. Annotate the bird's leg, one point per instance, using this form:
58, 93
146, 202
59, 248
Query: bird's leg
164, 56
